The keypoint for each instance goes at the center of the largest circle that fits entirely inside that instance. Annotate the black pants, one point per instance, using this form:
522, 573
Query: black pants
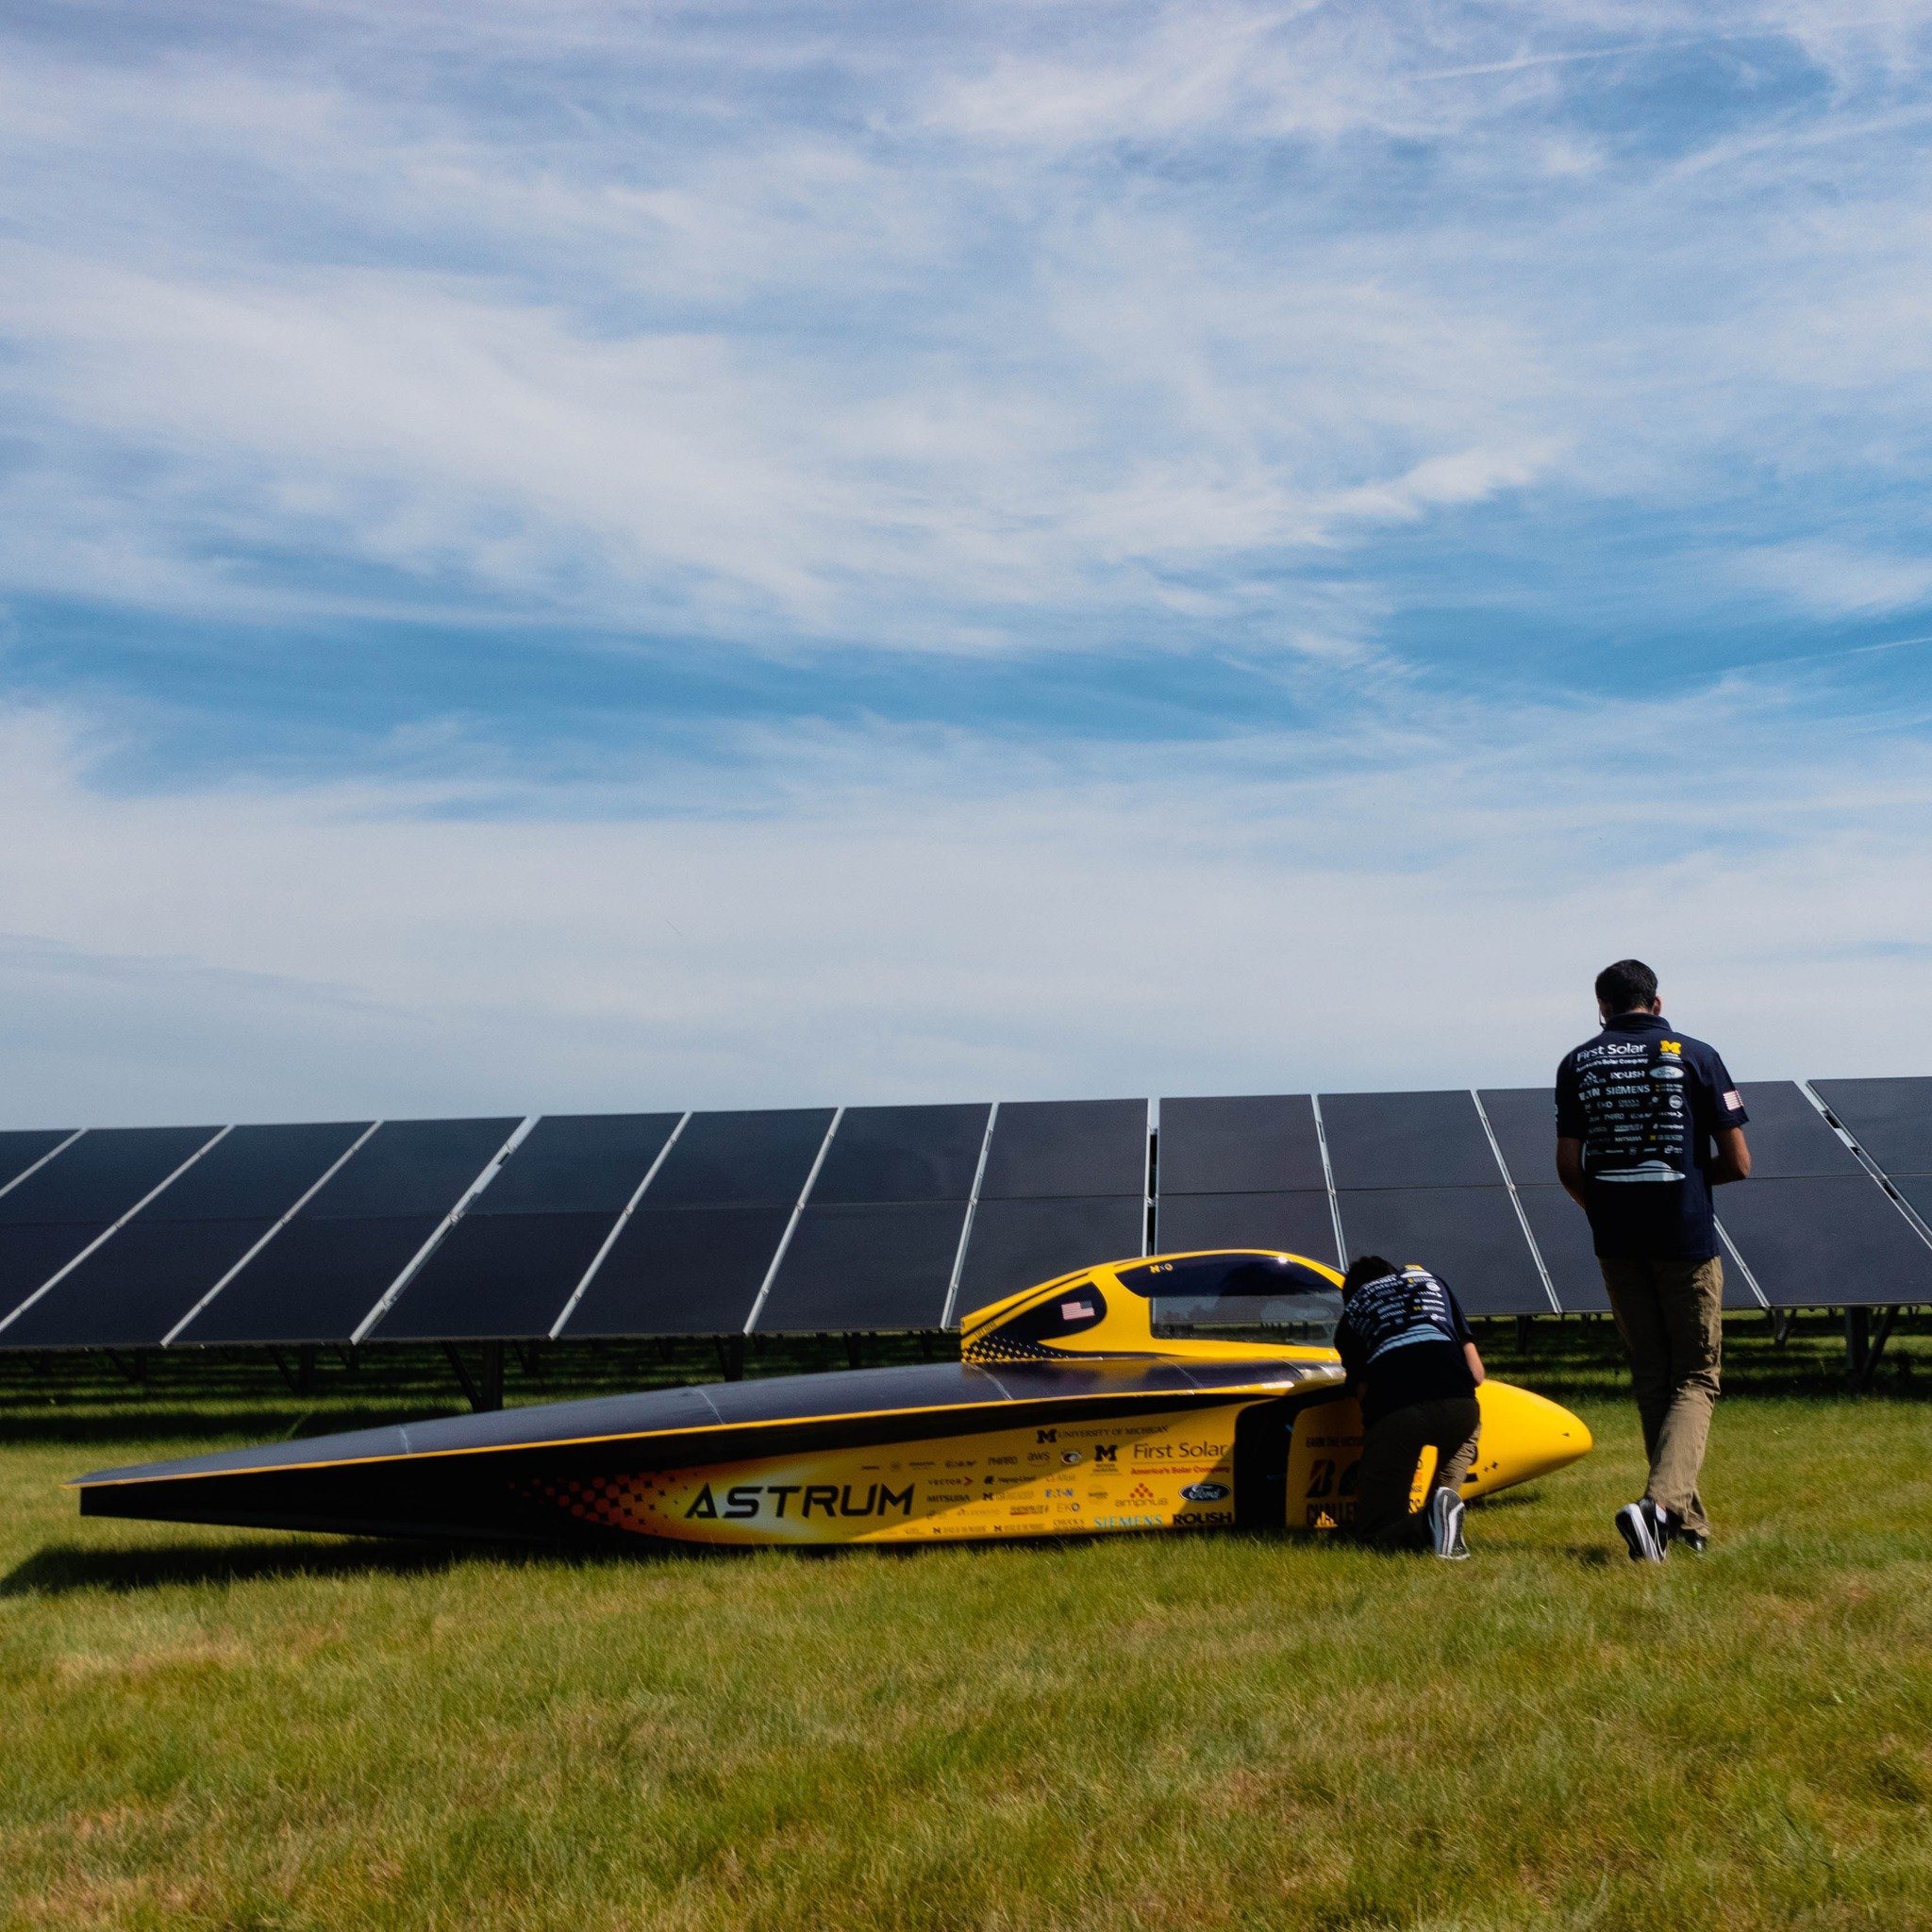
1392, 1452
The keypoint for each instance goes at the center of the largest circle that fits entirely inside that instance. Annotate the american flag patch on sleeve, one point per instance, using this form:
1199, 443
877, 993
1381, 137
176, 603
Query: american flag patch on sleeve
1732, 1099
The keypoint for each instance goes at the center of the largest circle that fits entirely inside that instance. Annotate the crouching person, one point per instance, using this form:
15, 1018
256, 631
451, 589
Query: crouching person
1413, 1363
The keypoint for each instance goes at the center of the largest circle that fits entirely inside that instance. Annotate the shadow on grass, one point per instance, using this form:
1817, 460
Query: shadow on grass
63, 1569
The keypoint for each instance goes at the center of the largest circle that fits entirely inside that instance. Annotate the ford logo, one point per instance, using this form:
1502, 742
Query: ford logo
1205, 1492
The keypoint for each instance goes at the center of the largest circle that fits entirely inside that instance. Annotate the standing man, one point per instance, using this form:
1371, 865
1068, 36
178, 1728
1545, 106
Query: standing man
1648, 1121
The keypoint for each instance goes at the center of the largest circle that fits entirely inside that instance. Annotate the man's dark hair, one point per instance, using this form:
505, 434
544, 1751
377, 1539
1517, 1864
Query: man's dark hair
1626, 985
1364, 1268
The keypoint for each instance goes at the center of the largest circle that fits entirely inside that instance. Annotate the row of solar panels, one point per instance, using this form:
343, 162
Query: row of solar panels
877, 1219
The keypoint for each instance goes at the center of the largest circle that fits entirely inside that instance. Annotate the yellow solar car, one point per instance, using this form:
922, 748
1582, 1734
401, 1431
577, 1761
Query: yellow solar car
1177, 1393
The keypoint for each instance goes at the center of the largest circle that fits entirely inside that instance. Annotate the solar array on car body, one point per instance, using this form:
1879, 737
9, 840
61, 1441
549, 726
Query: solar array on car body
820, 1219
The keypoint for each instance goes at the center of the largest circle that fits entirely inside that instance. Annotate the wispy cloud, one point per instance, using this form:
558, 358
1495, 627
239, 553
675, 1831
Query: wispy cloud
1238, 525
819, 914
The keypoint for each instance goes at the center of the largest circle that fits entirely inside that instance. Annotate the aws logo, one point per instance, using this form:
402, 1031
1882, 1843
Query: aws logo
745, 1500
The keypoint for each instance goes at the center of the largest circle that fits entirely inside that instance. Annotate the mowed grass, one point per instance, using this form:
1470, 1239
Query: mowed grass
212, 1729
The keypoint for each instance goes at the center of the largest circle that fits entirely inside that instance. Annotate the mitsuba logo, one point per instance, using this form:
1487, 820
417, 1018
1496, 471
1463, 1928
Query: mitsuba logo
743, 1500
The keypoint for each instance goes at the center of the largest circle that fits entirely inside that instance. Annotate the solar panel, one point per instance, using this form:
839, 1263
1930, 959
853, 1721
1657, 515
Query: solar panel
1015, 1245
410, 1167
1238, 1145
1788, 1138
132, 1290
1407, 1141
1049, 1149
20, 1147
314, 1282
682, 1271
52, 1214
1826, 1241
575, 1164
872, 1266
1891, 1120
901, 1154
1523, 1120
1293, 1224
1469, 1236
321, 1274
1563, 1238
1917, 1190
741, 1158
102, 1175
496, 1275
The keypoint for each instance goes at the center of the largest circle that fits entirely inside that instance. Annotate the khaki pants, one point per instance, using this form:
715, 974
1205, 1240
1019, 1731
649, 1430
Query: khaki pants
1391, 1451
1670, 1317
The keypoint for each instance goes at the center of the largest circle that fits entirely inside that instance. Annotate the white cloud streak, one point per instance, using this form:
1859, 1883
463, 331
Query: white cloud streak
1069, 320
1421, 903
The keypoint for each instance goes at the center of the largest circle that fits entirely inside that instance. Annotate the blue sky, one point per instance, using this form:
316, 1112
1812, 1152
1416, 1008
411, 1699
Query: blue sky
583, 555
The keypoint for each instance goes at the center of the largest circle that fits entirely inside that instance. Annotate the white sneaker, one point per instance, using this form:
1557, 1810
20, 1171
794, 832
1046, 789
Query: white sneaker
1446, 1509
1645, 1530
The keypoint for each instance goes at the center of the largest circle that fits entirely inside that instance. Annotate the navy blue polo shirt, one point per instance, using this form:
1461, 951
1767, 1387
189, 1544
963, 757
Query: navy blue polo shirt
1646, 1101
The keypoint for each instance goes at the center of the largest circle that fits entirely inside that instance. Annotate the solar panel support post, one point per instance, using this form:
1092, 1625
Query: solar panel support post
1858, 1346
731, 1357
301, 1378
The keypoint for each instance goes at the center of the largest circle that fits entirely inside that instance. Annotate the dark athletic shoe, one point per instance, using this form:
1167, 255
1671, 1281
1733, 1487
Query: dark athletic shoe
1645, 1531
1445, 1525
1695, 1541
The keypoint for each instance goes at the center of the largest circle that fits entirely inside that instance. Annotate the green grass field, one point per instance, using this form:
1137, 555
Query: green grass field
238, 1729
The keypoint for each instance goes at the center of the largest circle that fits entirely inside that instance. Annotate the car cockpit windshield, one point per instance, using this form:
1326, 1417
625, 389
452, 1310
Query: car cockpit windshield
1247, 1297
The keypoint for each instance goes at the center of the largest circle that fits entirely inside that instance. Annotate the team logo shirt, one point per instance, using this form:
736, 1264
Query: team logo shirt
1646, 1101
1400, 1339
